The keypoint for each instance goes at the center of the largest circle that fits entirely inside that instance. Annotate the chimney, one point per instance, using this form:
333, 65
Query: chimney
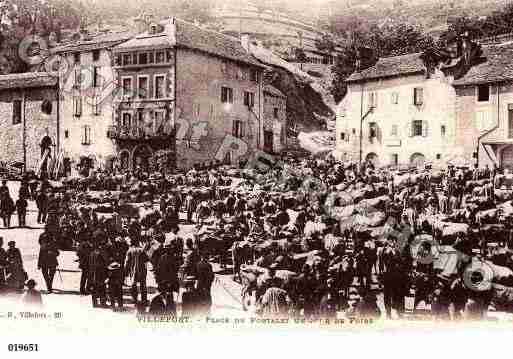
244, 42
171, 31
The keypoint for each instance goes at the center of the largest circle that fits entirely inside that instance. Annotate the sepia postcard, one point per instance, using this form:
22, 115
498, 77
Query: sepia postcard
317, 168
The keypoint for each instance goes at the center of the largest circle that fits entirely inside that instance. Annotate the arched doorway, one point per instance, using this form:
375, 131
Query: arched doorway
417, 159
372, 158
141, 157
507, 158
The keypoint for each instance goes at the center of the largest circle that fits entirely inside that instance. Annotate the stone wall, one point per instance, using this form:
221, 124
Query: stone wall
37, 125
204, 125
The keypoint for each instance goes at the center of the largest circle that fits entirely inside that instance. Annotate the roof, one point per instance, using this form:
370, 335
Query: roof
212, 42
496, 65
96, 43
28, 80
273, 91
196, 38
408, 64
146, 42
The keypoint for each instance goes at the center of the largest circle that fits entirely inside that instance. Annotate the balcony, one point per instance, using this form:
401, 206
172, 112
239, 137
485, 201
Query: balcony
137, 133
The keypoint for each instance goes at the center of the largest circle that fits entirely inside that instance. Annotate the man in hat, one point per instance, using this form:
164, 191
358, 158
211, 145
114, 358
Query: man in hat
32, 297
42, 206
136, 270
164, 302
3, 264
115, 285
83, 253
191, 300
166, 271
21, 209
17, 274
190, 205
47, 261
205, 276
98, 262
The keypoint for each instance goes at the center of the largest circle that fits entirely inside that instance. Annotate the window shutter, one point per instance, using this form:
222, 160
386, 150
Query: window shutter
424, 128
412, 129
234, 128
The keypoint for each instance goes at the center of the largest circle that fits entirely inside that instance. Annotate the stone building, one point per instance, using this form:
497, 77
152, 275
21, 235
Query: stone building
87, 87
405, 117
484, 108
187, 90
29, 116
275, 120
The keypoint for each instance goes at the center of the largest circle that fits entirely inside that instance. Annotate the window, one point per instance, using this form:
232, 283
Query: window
159, 58
127, 86
77, 106
97, 79
238, 129
275, 112
143, 58
249, 99
143, 87
135, 59
226, 95
373, 100
483, 93
342, 136
395, 98
438, 156
126, 120
442, 130
127, 59
354, 131
16, 112
153, 29
169, 55
253, 75
160, 91
418, 96
66, 134
96, 55
419, 128
96, 106
151, 57
86, 135
78, 77
212, 112
373, 130
394, 131
117, 60
395, 159
46, 107
76, 57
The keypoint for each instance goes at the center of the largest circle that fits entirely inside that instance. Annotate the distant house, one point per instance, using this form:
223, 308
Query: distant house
404, 116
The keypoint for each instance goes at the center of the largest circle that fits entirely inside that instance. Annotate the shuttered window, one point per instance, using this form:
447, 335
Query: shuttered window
16, 112
77, 106
86, 135
418, 96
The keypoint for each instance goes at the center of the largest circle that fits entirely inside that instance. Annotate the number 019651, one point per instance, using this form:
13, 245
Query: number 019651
23, 347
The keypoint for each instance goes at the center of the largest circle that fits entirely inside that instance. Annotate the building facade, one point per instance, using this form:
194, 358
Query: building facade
29, 118
275, 120
204, 102
405, 117
87, 88
484, 108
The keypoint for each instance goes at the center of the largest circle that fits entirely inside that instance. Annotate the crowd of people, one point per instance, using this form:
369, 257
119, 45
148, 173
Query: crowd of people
309, 238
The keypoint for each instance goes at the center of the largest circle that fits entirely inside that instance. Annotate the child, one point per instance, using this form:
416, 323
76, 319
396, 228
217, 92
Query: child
32, 297
115, 285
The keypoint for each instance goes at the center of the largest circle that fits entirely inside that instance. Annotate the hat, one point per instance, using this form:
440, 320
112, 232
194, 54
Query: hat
190, 279
31, 283
11, 243
114, 266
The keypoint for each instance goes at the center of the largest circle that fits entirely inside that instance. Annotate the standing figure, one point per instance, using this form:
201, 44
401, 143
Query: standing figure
21, 209
47, 261
136, 271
